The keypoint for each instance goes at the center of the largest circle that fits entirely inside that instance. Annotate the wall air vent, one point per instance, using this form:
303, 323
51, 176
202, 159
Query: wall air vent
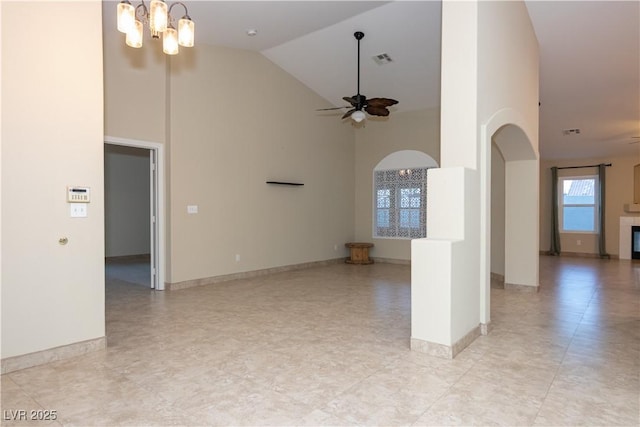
567, 132
382, 59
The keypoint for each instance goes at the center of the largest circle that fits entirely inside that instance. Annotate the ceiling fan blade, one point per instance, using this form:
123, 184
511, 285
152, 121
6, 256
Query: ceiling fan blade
348, 113
334, 108
377, 111
381, 102
350, 100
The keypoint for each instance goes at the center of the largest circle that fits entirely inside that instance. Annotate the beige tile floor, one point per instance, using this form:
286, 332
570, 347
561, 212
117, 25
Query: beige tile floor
135, 270
330, 346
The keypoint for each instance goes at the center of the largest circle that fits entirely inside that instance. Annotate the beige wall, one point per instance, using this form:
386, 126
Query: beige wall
52, 124
497, 211
415, 130
231, 120
135, 81
127, 201
619, 191
236, 121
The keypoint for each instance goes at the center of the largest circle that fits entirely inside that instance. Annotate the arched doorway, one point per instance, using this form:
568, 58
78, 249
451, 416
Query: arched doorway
506, 133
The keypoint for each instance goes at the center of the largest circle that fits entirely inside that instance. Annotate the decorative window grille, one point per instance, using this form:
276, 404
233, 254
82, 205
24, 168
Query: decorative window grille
400, 202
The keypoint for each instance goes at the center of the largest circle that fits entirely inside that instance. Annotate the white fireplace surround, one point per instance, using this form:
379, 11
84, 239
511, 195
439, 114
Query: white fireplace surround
626, 222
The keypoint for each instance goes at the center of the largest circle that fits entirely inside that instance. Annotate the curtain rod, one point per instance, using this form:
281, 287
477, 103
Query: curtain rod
587, 166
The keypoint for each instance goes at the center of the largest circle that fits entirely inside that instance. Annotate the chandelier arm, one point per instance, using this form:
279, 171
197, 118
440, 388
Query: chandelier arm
186, 12
145, 11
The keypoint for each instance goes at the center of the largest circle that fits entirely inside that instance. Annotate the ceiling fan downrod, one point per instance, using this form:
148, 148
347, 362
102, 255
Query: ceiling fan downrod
360, 100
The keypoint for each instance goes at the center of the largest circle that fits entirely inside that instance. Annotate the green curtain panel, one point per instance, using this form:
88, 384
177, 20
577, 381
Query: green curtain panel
555, 226
602, 246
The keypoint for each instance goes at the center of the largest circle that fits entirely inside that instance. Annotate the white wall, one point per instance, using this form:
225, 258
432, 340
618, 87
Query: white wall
127, 201
52, 109
414, 130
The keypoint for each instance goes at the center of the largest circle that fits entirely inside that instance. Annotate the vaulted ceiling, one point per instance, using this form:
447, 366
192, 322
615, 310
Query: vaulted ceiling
589, 58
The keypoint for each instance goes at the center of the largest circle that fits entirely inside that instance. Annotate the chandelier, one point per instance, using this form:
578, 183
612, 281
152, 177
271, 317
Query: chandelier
159, 20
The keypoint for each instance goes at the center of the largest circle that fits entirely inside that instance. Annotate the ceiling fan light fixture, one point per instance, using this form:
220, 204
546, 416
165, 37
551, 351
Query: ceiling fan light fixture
358, 116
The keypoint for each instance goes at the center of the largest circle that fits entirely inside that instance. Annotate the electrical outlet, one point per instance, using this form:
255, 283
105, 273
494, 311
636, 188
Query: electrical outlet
335, 247
237, 257
578, 242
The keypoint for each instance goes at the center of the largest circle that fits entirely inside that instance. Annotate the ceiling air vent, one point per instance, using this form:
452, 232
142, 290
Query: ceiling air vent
382, 59
567, 132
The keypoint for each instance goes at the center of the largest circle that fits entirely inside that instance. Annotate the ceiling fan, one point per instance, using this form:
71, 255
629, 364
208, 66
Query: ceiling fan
373, 106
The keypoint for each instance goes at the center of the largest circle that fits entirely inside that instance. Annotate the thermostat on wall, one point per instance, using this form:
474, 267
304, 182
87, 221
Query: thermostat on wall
78, 194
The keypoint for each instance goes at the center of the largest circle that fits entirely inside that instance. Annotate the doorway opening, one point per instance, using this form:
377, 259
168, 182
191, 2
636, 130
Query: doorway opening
134, 212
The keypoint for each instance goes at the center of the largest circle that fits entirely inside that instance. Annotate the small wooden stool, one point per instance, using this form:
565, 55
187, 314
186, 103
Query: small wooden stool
359, 253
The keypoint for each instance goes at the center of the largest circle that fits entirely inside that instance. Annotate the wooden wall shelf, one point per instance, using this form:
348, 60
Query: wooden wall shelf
285, 183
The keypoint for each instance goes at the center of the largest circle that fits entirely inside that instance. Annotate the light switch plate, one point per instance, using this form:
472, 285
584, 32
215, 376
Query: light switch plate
78, 210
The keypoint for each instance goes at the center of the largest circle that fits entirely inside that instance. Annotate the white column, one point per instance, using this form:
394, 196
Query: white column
445, 293
445, 266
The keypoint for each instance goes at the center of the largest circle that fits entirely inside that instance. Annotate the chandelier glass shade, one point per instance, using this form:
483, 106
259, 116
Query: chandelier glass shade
158, 16
134, 38
131, 21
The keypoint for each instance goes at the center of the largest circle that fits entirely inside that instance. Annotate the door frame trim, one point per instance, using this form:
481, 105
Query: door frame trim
158, 149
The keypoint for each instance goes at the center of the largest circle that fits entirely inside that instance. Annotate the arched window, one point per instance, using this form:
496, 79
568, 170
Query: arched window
400, 195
